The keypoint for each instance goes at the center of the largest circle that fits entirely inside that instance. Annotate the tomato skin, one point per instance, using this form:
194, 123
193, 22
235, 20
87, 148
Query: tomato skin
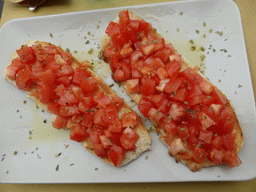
144, 106
47, 77
124, 18
232, 159
173, 69
116, 154
60, 122
51, 50
164, 106
173, 85
188, 74
216, 156
199, 155
64, 70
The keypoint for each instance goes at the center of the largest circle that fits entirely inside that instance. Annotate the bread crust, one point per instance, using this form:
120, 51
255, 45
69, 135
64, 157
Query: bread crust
144, 142
185, 64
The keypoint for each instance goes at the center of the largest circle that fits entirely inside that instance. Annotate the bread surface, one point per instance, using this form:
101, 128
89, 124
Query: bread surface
185, 64
144, 142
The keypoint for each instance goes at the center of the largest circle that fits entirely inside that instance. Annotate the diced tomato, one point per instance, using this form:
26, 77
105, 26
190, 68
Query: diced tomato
162, 85
109, 114
206, 136
26, 54
160, 43
195, 91
99, 149
232, 159
199, 155
156, 63
229, 141
135, 25
78, 133
177, 111
180, 94
67, 57
60, 60
133, 86
54, 108
117, 102
60, 90
69, 110
208, 100
80, 74
60, 122
205, 120
68, 99
173, 85
164, 106
147, 71
45, 92
147, 49
112, 29
155, 115
216, 156
106, 142
156, 99
188, 74
119, 75
52, 50
206, 87
129, 138
126, 51
97, 117
198, 99
147, 87
65, 80
115, 126
88, 84
116, 154
217, 142
135, 56
37, 49
124, 18
173, 69
169, 126
136, 74
129, 119
162, 73
47, 77
176, 147
23, 80
144, 26
183, 132
12, 69
163, 54
144, 106
64, 70
219, 97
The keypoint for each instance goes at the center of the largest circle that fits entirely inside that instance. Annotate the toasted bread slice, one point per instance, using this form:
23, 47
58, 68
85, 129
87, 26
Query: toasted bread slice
185, 64
144, 142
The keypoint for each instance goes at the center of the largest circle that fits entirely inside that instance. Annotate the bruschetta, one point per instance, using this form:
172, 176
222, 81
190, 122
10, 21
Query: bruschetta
79, 100
194, 118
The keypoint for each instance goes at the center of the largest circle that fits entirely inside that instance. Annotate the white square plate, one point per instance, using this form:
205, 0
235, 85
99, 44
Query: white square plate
37, 158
